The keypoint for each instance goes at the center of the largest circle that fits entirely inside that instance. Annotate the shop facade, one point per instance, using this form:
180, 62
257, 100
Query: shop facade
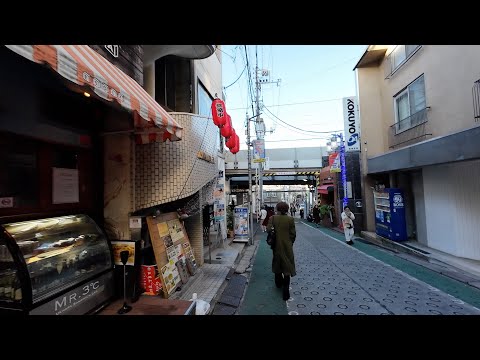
419, 137
68, 135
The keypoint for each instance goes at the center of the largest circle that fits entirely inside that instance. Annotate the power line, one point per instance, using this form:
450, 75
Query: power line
296, 103
285, 127
226, 87
307, 131
231, 57
318, 138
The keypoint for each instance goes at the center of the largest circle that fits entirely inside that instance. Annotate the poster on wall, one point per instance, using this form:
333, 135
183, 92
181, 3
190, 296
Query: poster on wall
170, 276
65, 186
175, 229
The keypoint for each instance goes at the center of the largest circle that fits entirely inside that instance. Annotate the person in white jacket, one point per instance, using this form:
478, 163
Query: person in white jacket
347, 221
263, 215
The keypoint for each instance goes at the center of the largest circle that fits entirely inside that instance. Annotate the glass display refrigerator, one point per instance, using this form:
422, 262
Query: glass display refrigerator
390, 220
53, 266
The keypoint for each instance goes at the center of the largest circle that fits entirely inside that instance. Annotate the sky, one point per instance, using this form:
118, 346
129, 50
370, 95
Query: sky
313, 81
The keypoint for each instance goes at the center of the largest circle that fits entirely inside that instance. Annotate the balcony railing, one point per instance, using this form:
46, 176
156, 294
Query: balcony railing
476, 100
408, 130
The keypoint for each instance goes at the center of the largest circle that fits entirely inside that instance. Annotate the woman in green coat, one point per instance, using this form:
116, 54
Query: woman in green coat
283, 262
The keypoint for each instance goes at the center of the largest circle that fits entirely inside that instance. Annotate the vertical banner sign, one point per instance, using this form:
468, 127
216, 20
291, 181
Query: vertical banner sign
351, 123
219, 198
258, 150
334, 162
241, 222
343, 171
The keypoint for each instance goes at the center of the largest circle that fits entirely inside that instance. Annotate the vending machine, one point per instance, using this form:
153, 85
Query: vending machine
390, 214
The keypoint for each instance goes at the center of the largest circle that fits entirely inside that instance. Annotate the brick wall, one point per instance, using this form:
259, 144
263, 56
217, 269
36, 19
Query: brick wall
168, 171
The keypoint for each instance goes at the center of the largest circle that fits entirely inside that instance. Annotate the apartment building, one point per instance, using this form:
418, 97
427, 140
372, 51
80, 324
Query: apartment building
419, 106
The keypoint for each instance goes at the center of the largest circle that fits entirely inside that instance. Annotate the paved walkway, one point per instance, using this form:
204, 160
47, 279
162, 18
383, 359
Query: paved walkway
334, 278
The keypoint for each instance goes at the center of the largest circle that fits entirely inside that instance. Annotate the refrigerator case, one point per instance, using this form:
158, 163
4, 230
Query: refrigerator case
390, 214
53, 266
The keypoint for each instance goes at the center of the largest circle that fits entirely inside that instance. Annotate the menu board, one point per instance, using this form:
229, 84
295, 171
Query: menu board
170, 245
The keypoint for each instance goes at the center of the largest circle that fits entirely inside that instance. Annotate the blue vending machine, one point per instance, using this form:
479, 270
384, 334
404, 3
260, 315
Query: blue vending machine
390, 214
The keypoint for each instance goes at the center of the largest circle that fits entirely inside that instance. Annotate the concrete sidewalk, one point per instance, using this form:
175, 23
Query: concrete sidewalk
225, 265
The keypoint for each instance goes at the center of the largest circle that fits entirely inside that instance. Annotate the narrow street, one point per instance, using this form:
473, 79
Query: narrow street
336, 279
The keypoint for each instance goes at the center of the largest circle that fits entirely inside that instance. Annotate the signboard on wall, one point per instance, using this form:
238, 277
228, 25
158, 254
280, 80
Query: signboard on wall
351, 123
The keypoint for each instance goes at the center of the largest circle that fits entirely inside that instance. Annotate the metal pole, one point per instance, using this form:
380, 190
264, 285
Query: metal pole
249, 160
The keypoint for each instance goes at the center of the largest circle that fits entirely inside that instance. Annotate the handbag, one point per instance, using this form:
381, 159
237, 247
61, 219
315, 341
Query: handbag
272, 236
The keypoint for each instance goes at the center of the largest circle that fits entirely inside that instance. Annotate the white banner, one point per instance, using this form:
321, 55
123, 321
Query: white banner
351, 123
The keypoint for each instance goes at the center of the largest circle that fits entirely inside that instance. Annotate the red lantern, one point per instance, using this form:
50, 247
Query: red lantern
226, 129
236, 148
219, 112
232, 140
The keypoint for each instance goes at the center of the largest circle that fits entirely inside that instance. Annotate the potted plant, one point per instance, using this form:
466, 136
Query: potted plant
325, 214
230, 222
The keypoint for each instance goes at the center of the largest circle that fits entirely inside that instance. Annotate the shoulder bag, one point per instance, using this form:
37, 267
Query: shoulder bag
272, 236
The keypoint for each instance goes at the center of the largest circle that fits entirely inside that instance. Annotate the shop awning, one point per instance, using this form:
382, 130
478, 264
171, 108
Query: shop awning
324, 189
85, 67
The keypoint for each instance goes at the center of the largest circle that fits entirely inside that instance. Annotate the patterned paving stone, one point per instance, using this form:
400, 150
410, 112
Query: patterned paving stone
336, 279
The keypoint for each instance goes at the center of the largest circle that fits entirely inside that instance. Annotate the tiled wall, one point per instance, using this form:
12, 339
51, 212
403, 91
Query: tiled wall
193, 226
168, 171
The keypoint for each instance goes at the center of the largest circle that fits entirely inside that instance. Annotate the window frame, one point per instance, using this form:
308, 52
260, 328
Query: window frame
393, 69
220, 146
398, 95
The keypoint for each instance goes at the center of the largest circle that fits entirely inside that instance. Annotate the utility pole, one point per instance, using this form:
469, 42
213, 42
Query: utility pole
259, 134
249, 160
261, 126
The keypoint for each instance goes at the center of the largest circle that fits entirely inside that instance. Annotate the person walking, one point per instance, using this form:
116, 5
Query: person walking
347, 221
263, 216
270, 213
301, 212
316, 214
283, 262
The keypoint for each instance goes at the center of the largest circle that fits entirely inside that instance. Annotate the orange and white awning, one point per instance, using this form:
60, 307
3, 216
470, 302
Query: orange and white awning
85, 67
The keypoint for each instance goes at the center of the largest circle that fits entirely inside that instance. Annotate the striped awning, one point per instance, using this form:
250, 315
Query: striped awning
85, 67
325, 189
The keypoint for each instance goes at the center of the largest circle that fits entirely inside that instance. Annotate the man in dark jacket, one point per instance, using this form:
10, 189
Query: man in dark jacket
283, 262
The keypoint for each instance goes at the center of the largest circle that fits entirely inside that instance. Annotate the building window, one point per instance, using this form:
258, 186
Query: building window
205, 109
410, 105
399, 56
172, 83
